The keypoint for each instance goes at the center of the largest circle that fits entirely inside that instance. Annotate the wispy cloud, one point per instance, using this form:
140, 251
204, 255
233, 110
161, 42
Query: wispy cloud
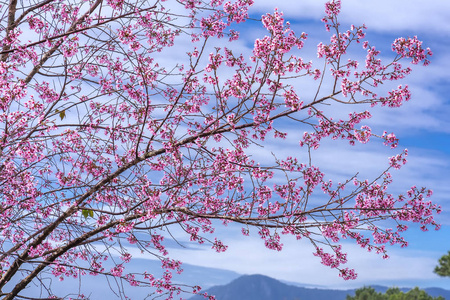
384, 15
247, 255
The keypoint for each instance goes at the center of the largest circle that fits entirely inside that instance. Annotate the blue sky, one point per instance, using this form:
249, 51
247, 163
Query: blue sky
422, 125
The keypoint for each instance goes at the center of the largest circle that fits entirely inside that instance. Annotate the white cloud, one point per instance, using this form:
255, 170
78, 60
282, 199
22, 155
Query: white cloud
382, 15
295, 263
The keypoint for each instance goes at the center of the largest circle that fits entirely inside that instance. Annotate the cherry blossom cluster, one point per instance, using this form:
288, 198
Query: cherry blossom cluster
272, 49
334, 261
412, 48
341, 129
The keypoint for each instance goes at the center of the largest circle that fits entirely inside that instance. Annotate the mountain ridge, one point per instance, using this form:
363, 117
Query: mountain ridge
260, 287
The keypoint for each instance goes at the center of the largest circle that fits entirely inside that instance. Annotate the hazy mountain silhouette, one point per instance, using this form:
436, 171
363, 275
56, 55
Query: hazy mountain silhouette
259, 287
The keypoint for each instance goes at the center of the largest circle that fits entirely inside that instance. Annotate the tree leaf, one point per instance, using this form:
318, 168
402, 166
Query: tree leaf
87, 213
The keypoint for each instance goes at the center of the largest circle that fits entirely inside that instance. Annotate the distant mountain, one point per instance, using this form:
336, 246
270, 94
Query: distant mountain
259, 287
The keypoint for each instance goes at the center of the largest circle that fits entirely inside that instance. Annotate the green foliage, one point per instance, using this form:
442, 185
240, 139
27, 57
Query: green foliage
62, 114
368, 293
443, 269
87, 213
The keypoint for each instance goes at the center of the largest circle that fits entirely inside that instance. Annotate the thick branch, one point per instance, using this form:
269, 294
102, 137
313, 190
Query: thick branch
11, 18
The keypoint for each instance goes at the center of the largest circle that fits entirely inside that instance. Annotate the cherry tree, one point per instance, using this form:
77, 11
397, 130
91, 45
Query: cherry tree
106, 143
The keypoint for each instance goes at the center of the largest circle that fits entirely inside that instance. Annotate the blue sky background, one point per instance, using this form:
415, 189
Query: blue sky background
422, 125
